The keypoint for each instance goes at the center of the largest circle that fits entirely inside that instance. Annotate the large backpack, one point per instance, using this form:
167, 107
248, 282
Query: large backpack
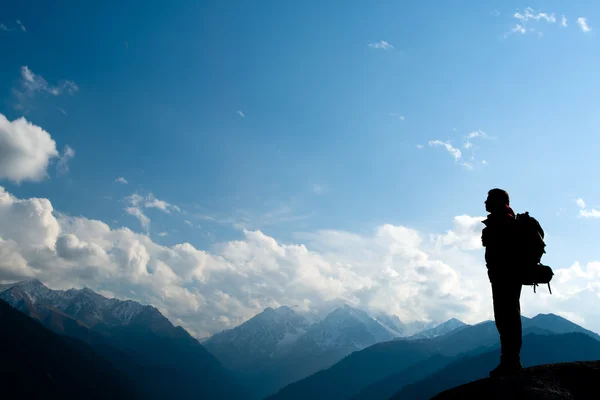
532, 248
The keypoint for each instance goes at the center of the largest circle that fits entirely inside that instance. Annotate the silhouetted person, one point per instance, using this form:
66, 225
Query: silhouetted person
499, 237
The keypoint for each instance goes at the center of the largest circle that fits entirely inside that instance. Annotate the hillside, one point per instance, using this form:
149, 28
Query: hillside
564, 381
537, 350
37, 363
157, 358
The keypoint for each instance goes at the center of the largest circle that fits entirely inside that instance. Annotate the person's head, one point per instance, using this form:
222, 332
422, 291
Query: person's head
497, 200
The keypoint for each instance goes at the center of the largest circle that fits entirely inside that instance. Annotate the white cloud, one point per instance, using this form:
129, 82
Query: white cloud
241, 114
584, 212
36, 83
21, 26
163, 234
150, 201
137, 212
382, 44
63, 162
121, 180
62, 110
468, 145
25, 150
479, 134
530, 14
397, 115
420, 146
518, 28
396, 269
484, 162
32, 84
563, 21
582, 22
593, 213
454, 152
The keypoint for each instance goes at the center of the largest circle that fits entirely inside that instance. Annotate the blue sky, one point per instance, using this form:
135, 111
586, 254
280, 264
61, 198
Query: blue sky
296, 117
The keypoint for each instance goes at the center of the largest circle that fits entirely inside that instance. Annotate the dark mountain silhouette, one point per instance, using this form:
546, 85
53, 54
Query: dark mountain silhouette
358, 370
382, 370
537, 350
159, 359
37, 363
557, 324
564, 381
387, 387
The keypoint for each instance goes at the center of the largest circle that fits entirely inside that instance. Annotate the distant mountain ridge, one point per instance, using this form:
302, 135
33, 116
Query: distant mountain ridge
379, 371
280, 346
160, 359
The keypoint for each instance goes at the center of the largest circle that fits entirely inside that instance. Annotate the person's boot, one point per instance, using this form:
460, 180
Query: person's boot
507, 366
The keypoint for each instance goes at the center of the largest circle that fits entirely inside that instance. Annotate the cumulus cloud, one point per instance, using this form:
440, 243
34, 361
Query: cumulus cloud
63, 162
137, 212
396, 269
580, 203
382, 44
25, 150
563, 21
582, 22
121, 180
454, 152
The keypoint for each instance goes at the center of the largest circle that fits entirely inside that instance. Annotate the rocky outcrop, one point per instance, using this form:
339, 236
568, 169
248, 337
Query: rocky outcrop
577, 380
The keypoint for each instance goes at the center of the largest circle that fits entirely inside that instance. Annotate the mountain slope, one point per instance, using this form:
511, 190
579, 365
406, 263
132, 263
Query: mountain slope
537, 349
37, 363
385, 388
258, 340
356, 371
161, 360
378, 371
564, 381
557, 324
441, 329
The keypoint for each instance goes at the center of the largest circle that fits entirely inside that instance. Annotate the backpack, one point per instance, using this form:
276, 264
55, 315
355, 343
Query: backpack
532, 248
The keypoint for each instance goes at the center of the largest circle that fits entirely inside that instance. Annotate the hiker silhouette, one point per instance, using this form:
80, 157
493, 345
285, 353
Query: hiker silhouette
499, 237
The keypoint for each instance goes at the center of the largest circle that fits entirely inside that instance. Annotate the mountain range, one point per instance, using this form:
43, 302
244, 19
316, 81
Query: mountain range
381, 370
280, 346
158, 359
77, 341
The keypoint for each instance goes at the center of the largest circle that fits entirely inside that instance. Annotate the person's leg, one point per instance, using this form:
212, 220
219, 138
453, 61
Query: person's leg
507, 315
513, 335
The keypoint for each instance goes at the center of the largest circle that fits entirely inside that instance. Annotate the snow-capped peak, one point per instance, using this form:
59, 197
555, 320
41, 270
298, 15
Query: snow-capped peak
83, 304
